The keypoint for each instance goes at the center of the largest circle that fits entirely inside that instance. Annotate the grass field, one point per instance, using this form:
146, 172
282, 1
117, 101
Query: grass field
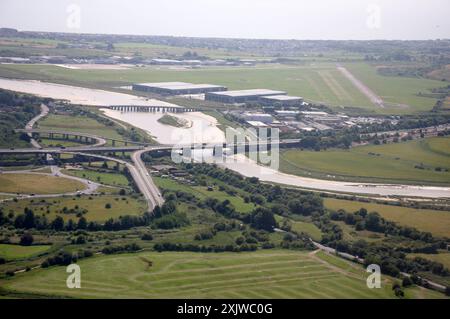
77, 124
37, 184
433, 221
301, 226
400, 94
45, 142
442, 257
318, 82
113, 179
391, 162
262, 274
10, 252
120, 206
202, 192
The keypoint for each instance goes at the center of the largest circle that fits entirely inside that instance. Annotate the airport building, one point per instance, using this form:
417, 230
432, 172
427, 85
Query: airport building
283, 100
177, 88
240, 96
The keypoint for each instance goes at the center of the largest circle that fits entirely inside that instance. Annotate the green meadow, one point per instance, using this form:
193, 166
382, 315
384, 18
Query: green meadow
420, 161
434, 221
10, 252
95, 206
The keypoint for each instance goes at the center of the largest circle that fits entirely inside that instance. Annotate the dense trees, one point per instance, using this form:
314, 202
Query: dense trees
17, 110
26, 239
262, 218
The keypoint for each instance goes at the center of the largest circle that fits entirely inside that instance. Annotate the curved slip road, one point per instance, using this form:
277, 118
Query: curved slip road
30, 124
91, 187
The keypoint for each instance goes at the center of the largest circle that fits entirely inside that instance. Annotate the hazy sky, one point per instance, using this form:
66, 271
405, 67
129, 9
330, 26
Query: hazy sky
278, 19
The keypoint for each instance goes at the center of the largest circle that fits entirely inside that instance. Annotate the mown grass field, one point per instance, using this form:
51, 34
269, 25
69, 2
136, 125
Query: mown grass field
433, 221
10, 252
390, 163
262, 274
120, 206
400, 94
318, 82
37, 184
107, 178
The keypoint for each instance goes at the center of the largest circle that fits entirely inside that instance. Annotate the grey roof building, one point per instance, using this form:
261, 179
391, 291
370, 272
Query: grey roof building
177, 88
240, 96
284, 100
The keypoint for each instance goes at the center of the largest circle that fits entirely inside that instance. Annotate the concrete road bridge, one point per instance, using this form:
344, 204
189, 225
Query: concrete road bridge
78, 136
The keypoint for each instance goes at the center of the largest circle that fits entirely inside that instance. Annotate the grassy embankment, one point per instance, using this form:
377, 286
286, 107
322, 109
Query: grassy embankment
421, 161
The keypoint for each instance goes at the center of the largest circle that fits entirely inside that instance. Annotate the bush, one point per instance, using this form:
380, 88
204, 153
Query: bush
204, 235
80, 240
147, 236
407, 282
26, 239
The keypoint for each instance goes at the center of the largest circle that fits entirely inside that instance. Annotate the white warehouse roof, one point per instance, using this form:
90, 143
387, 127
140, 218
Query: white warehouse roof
179, 85
252, 92
283, 98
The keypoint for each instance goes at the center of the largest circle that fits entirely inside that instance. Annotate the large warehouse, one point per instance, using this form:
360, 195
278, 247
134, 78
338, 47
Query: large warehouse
240, 96
177, 88
284, 100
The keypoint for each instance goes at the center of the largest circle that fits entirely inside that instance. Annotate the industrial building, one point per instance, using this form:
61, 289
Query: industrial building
259, 117
283, 100
177, 88
240, 96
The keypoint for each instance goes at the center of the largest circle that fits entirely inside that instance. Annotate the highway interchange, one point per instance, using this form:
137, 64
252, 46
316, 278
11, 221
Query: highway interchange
152, 194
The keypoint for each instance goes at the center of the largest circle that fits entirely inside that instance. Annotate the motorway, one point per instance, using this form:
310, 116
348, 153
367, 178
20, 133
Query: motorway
138, 172
144, 181
153, 196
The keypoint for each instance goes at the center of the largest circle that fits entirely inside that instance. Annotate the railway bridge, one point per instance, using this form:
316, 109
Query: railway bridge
147, 109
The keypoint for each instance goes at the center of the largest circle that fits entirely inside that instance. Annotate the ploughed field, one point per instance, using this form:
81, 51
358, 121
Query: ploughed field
261, 274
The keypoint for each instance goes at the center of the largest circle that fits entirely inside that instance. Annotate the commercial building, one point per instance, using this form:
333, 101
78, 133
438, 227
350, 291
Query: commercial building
240, 96
256, 124
258, 117
177, 88
282, 100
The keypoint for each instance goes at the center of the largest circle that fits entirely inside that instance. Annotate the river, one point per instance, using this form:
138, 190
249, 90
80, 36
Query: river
204, 129
77, 95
